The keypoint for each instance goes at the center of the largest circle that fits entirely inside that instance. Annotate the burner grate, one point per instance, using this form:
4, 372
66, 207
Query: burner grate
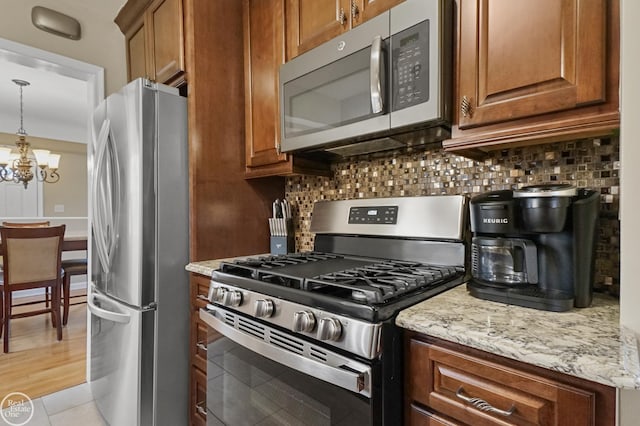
380, 282
359, 280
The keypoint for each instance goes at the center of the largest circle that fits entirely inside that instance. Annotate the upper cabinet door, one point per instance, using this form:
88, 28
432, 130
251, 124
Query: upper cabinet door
312, 22
166, 41
155, 40
524, 58
264, 53
136, 47
363, 10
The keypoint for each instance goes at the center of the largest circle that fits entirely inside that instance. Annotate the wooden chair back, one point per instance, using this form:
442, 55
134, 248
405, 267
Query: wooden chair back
26, 224
32, 256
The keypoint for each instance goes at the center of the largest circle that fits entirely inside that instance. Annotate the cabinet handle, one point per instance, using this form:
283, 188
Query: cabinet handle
202, 297
202, 346
355, 11
342, 17
483, 405
465, 107
200, 409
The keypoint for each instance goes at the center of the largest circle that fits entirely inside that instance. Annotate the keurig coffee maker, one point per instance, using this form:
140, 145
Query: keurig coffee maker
535, 246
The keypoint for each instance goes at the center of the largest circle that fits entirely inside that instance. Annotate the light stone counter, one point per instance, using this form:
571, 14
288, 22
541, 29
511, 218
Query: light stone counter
206, 267
587, 343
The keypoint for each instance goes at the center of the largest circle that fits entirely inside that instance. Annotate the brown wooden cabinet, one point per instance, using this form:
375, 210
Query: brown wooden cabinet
201, 335
535, 71
311, 23
449, 384
154, 37
218, 190
264, 46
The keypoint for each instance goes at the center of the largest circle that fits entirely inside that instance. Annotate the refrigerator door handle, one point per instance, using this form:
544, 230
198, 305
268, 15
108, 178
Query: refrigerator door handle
106, 189
97, 214
105, 313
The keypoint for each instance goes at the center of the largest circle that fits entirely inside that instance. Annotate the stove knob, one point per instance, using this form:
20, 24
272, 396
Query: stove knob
303, 321
263, 308
216, 294
232, 298
329, 329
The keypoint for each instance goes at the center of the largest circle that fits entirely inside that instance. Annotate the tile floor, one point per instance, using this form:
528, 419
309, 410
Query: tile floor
69, 407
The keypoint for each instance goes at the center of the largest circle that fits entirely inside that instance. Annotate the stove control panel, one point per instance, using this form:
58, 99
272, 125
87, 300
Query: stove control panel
352, 335
374, 215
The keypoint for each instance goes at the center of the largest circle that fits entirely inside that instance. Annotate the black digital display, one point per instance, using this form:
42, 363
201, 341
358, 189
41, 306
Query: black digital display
377, 215
412, 38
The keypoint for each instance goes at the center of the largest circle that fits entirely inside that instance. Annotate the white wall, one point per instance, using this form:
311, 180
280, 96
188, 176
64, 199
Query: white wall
629, 199
101, 44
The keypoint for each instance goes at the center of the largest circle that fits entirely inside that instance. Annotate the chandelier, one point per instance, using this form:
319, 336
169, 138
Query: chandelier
22, 165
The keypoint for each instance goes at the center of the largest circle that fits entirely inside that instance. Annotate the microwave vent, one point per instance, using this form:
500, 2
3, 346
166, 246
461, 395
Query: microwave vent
366, 147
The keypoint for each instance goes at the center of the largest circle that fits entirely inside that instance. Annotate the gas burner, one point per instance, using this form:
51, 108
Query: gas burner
379, 282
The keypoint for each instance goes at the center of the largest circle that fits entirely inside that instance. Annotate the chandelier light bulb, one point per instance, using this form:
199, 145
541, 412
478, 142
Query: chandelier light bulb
4, 156
42, 157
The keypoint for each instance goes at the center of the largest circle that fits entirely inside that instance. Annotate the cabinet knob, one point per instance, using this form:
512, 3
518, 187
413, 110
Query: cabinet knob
201, 408
342, 17
355, 11
465, 107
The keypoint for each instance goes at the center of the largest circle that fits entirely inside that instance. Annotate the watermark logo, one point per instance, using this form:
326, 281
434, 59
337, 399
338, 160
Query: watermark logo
17, 409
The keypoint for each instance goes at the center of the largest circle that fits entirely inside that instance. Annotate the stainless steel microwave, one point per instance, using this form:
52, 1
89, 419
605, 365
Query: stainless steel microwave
382, 85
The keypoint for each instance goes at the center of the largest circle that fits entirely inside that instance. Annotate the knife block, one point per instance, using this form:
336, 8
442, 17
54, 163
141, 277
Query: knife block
283, 244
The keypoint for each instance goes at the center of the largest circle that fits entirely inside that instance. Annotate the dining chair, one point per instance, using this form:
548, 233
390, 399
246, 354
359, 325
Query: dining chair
30, 225
32, 259
70, 267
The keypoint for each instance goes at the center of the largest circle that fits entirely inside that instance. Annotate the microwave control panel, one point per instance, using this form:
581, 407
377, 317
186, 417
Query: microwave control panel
410, 56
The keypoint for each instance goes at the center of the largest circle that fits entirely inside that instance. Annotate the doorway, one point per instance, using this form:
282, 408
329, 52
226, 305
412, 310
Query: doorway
92, 77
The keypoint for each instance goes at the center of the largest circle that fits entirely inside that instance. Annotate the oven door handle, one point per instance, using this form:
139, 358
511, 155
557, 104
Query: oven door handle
355, 380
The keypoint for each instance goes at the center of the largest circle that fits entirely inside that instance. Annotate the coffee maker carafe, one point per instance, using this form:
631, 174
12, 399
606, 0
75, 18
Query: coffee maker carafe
535, 246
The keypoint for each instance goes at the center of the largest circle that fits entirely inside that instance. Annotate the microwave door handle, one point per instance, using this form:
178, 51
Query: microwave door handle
374, 81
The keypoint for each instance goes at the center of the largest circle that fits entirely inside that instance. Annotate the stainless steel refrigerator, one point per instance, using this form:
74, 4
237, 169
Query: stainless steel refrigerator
139, 293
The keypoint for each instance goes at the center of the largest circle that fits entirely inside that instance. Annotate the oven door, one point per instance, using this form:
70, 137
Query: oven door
260, 375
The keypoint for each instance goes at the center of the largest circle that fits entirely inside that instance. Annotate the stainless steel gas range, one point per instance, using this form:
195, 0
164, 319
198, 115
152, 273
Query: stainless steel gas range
309, 338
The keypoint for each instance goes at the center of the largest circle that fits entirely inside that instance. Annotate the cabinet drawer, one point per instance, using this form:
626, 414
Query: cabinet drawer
421, 417
199, 342
480, 392
199, 291
198, 408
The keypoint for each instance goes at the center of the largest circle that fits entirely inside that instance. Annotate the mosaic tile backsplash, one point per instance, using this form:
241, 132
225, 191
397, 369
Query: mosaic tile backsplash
585, 163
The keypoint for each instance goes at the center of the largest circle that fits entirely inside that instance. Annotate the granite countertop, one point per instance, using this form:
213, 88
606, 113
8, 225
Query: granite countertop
588, 343
206, 267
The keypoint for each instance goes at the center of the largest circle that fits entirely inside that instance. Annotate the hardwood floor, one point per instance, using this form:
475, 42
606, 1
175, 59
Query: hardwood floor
37, 363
